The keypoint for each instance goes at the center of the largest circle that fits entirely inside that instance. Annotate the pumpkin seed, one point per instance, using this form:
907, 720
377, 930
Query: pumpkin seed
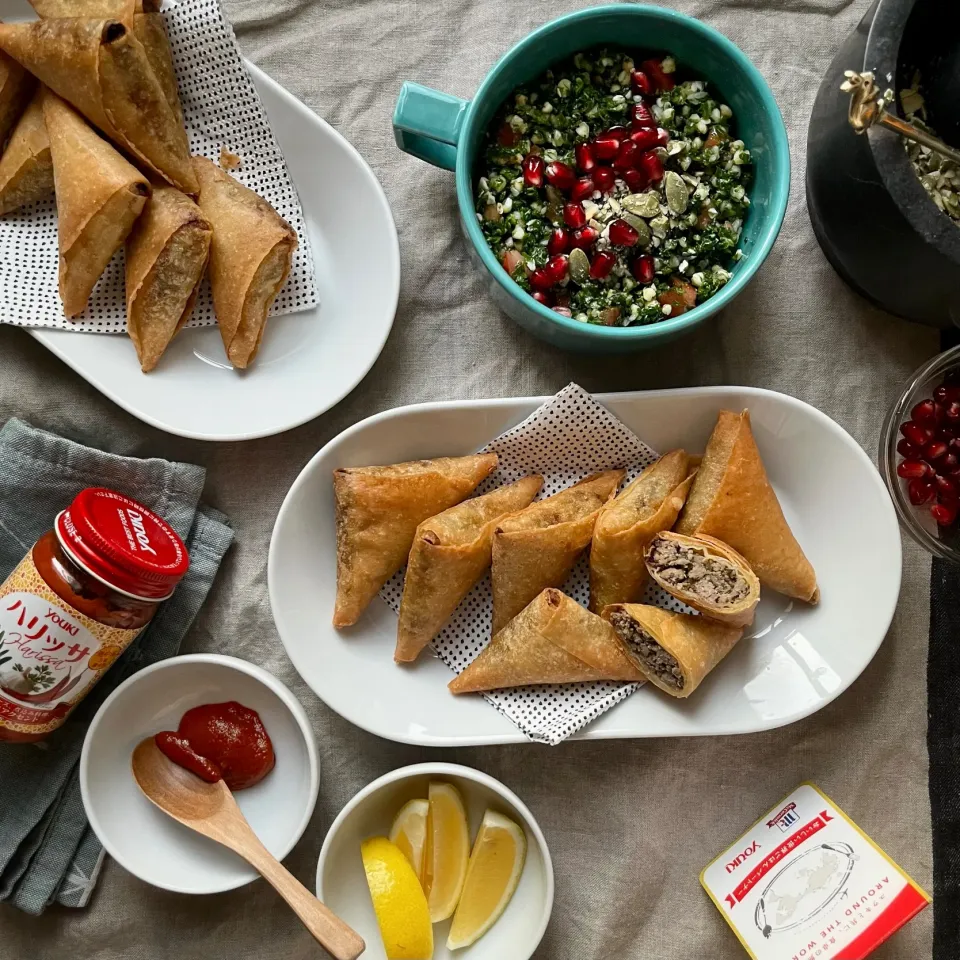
642, 204
640, 226
579, 265
676, 191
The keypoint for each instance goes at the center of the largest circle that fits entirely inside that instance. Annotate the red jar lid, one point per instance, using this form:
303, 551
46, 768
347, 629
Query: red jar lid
123, 543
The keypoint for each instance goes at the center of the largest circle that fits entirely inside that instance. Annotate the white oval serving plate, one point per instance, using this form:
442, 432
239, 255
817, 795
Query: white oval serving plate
792, 662
309, 361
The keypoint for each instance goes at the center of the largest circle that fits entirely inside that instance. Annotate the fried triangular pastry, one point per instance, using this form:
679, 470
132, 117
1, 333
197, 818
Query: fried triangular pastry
26, 169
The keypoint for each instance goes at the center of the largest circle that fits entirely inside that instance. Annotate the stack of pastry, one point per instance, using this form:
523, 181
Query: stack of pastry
89, 110
730, 537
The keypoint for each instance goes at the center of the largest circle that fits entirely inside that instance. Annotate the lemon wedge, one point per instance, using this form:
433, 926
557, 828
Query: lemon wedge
494, 871
409, 832
398, 900
447, 850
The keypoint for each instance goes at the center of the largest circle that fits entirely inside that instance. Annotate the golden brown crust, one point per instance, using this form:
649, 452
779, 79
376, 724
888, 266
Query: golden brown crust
249, 259
696, 643
378, 510
732, 500
26, 168
99, 196
537, 547
166, 255
450, 553
17, 87
552, 640
646, 506
738, 613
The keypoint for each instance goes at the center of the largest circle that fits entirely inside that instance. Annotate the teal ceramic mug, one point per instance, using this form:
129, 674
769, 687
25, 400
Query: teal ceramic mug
448, 132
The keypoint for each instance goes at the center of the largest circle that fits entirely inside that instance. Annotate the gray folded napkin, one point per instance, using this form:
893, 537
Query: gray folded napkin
47, 850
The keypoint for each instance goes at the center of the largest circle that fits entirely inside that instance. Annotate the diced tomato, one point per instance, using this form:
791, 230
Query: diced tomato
716, 138
681, 297
610, 316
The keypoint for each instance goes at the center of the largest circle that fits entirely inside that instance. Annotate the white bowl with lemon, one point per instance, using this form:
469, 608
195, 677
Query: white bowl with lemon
437, 861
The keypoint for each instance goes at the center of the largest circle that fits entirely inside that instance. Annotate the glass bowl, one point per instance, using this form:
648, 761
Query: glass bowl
917, 521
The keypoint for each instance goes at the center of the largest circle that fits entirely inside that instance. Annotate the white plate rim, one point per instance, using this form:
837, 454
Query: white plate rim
589, 732
241, 666
392, 274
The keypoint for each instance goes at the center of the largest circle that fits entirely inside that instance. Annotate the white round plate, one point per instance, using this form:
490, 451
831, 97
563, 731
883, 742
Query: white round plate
342, 885
793, 661
309, 361
143, 839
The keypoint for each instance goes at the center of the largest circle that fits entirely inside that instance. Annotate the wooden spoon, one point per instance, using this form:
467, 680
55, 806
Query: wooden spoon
211, 810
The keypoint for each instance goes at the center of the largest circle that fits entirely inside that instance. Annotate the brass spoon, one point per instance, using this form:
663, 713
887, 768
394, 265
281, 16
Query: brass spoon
211, 810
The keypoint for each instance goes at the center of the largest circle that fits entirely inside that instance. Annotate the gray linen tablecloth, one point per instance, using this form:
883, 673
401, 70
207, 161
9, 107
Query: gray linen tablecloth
630, 824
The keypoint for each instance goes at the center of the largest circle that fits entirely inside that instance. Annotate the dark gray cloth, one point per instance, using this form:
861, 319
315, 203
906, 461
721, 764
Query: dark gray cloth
47, 851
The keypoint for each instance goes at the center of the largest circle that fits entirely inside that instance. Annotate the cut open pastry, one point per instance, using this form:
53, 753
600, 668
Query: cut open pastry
101, 68
706, 574
646, 506
249, 259
552, 640
99, 196
166, 255
674, 651
26, 168
450, 553
378, 510
732, 500
537, 547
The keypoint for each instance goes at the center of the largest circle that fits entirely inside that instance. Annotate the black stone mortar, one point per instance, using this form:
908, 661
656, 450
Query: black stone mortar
875, 222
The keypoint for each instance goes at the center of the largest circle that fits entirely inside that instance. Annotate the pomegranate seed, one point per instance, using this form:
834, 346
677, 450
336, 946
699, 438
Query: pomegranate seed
953, 443
533, 167
640, 116
618, 130
542, 297
582, 189
563, 311
946, 393
654, 70
641, 82
909, 469
663, 137
559, 242
947, 489
652, 166
627, 156
934, 450
507, 136
944, 514
605, 147
584, 238
603, 178
924, 412
951, 414
573, 215
622, 234
602, 265
917, 434
645, 139
585, 159
540, 279
948, 463
920, 491
556, 268
636, 180
906, 449
643, 270
561, 175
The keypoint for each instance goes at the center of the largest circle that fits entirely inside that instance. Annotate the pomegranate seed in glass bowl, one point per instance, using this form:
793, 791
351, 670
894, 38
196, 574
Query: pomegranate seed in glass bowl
918, 458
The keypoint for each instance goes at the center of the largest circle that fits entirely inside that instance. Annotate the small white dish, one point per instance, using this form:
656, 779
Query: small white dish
143, 839
792, 662
342, 885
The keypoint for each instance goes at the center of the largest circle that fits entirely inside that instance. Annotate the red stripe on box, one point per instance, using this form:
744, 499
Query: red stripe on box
903, 908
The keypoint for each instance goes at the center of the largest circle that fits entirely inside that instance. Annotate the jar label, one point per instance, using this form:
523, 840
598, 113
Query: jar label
50, 654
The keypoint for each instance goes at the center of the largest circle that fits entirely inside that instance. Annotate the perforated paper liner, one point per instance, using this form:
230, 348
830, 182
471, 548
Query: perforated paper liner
565, 440
221, 108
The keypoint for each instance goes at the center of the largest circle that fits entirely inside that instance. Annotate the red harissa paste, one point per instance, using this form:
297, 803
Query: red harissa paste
221, 741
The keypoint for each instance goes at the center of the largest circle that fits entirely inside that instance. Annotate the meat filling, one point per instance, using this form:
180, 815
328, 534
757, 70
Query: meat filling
651, 655
711, 579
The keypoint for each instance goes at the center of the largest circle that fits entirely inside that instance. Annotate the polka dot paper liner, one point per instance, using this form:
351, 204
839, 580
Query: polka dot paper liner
221, 108
565, 440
